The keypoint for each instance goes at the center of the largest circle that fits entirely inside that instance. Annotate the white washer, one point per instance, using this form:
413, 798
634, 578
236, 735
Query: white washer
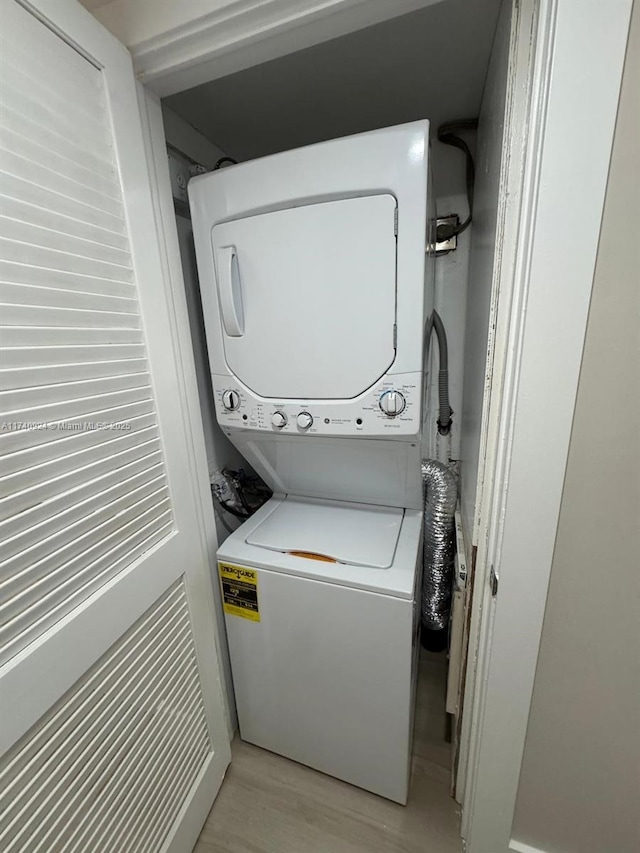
324, 646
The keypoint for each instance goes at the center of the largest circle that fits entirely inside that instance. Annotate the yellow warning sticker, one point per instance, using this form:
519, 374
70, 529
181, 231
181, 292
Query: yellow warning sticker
239, 591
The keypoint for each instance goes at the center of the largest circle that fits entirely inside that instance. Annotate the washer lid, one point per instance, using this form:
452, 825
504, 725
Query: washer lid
355, 534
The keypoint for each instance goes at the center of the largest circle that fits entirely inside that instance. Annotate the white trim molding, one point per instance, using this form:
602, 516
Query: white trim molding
180, 45
517, 145
583, 42
165, 223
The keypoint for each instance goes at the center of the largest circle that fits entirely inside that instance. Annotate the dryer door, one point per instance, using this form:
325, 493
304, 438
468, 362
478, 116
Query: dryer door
307, 297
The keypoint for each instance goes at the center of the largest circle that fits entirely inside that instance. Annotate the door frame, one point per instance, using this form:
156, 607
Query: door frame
517, 130
543, 303
167, 232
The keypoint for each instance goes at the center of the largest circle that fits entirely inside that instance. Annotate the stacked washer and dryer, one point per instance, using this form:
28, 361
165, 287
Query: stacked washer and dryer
315, 292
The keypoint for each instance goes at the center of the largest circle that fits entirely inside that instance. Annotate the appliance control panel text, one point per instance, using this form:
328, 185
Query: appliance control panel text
392, 407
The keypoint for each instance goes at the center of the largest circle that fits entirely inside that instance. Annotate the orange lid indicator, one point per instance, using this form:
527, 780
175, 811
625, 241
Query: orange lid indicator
309, 555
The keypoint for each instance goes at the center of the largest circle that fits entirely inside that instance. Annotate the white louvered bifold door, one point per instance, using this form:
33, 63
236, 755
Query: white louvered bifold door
112, 729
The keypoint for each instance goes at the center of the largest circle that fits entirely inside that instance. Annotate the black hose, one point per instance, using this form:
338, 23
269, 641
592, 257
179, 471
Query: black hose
243, 500
232, 509
229, 508
447, 136
435, 324
225, 160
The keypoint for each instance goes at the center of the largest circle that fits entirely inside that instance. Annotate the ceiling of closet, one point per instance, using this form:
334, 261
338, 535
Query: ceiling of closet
427, 64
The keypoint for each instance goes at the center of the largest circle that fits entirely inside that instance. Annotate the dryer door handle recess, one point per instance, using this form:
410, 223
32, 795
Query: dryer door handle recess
230, 292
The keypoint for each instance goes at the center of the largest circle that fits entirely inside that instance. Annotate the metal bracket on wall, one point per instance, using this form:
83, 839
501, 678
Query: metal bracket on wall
445, 246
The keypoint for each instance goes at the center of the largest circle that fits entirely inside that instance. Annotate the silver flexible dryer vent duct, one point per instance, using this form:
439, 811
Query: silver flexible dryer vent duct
440, 495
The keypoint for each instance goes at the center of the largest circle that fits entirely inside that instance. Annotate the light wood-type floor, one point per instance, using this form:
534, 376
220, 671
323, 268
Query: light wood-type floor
268, 804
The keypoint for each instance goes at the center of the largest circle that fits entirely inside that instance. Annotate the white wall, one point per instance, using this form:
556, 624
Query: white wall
190, 141
580, 778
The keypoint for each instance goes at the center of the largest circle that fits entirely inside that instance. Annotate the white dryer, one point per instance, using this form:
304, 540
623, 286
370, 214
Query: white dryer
322, 620
315, 289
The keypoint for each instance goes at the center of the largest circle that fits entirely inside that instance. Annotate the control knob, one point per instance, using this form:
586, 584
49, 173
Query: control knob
278, 419
392, 403
231, 400
304, 420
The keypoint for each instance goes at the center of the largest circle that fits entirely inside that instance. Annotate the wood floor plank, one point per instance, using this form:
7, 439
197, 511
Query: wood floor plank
269, 804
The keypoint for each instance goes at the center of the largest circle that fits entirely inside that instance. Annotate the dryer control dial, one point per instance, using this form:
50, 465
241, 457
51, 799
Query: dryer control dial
231, 400
279, 419
392, 403
304, 420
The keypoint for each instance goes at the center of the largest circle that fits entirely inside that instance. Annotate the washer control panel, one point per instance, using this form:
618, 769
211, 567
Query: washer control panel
393, 406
